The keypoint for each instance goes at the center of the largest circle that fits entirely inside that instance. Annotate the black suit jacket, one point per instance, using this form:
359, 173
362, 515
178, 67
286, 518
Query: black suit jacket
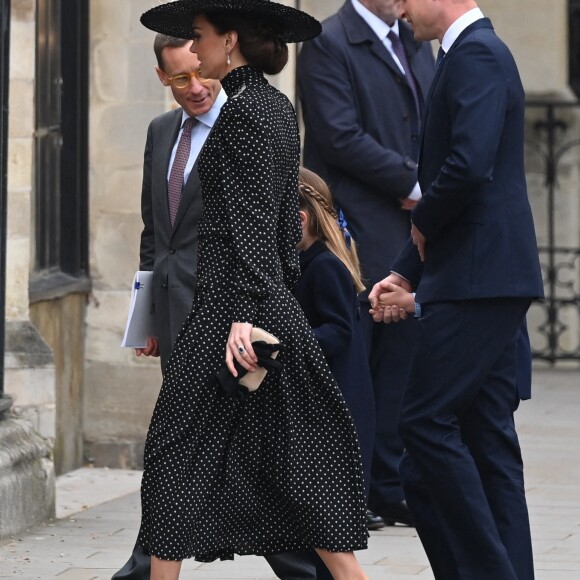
475, 211
171, 252
361, 129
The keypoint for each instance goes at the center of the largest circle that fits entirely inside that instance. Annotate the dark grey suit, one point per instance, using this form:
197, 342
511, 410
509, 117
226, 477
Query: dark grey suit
171, 252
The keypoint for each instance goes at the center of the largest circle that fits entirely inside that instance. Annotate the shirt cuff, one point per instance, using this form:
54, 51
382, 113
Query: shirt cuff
418, 310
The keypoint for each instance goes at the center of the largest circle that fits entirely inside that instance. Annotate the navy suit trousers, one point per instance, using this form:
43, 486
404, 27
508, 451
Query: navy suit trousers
463, 472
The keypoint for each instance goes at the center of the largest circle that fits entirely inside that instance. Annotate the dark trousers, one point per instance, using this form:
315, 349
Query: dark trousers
299, 566
463, 470
390, 347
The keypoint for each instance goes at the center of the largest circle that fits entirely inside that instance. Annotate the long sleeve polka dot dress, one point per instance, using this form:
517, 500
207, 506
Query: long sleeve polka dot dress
279, 470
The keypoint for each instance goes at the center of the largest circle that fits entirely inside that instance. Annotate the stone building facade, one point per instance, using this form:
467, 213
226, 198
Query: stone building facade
78, 396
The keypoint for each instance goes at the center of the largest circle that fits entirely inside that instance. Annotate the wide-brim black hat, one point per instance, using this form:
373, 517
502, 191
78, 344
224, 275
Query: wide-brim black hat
175, 18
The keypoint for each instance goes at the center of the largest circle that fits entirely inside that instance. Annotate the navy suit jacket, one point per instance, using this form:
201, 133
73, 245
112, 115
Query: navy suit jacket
361, 129
475, 211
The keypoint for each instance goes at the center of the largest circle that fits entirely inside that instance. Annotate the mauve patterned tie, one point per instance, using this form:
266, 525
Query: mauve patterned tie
175, 183
399, 50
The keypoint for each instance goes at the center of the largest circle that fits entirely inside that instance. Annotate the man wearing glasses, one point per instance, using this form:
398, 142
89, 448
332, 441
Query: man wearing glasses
171, 194
171, 206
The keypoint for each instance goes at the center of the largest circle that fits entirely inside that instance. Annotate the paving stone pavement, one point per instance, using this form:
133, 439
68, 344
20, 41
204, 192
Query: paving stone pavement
98, 511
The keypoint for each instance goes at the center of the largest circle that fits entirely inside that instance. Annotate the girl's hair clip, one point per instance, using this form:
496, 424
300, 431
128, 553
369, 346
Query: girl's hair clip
344, 228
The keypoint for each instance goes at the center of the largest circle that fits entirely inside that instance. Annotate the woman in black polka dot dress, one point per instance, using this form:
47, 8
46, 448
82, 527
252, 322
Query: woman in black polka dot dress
279, 470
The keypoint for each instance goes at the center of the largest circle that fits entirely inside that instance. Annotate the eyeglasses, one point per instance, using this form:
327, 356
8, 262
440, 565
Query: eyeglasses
182, 80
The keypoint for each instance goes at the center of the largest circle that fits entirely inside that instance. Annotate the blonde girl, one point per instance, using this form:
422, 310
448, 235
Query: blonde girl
328, 293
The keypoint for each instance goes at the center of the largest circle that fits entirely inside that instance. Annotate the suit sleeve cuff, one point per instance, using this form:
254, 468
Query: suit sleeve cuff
403, 277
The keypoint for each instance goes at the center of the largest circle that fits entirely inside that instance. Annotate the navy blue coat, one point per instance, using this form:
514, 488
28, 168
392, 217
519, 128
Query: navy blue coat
326, 294
361, 129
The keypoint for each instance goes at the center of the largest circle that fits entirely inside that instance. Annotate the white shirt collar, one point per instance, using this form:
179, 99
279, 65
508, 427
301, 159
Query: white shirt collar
379, 27
211, 116
459, 26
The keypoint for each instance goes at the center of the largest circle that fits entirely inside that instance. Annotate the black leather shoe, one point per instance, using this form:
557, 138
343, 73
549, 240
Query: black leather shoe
374, 522
138, 567
395, 513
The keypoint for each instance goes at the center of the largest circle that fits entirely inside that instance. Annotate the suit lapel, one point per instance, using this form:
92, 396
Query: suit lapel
188, 193
381, 52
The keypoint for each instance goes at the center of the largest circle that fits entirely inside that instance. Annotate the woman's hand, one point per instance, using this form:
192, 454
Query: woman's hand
239, 347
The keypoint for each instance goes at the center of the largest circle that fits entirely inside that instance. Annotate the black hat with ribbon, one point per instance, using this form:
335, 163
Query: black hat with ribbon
175, 18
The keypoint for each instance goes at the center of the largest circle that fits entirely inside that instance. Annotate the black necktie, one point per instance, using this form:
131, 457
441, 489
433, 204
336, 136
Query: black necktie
399, 50
440, 56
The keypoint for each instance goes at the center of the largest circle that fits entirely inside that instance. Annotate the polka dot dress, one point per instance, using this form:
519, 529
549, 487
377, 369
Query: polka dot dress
280, 470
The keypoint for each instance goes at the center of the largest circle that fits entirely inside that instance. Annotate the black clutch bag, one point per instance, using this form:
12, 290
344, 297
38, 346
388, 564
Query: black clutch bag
266, 346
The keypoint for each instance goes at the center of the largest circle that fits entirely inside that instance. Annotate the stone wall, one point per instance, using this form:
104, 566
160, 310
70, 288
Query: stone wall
26, 478
61, 322
28, 378
20, 157
120, 390
26, 436
538, 37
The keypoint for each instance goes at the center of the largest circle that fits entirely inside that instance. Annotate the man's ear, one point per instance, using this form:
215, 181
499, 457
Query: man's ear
162, 77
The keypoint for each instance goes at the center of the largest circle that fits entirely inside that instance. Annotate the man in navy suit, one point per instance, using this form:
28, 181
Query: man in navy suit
362, 100
473, 260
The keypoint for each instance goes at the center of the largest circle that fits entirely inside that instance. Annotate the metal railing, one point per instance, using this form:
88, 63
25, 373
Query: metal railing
553, 170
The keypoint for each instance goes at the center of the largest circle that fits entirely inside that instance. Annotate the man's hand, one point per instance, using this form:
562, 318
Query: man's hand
380, 312
152, 348
408, 204
397, 297
419, 240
